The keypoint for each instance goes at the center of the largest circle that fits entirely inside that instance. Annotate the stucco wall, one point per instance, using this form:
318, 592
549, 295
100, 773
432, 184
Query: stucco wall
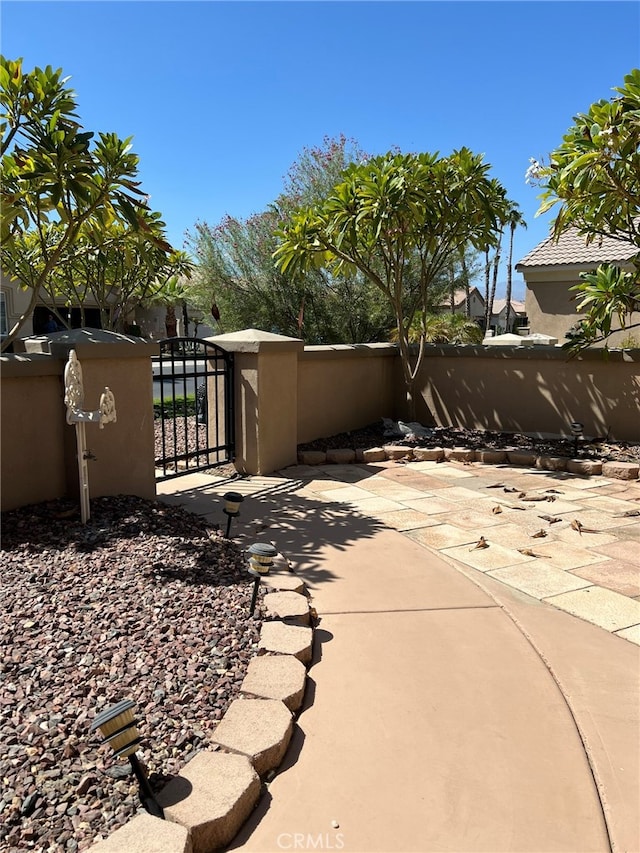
39, 456
532, 389
345, 387
551, 308
32, 467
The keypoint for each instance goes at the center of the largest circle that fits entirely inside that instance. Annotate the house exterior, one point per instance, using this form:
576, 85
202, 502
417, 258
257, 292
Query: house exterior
517, 316
553, 267
476, 304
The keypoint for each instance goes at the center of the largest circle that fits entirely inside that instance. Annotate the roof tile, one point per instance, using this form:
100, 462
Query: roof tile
572, 248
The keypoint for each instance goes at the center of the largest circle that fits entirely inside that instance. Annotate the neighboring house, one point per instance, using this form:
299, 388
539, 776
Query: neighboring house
517, 316
555, 266
14, 301
476, 304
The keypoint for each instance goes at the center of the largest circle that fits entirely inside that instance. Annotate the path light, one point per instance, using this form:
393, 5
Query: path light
119, 729
231, 508
577, 430
260, 561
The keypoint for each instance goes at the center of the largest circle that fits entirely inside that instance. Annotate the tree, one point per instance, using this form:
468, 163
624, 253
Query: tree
594, 175
57, 185
236, 273
514, 218
399, 220
120, 268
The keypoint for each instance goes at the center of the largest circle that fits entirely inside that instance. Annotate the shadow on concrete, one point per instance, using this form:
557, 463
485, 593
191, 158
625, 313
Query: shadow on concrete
300, 527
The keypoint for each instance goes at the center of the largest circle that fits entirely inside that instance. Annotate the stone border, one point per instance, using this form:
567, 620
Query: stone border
519, 458
214, 793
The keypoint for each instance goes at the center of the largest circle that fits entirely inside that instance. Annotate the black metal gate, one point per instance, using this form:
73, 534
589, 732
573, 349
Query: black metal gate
193, 406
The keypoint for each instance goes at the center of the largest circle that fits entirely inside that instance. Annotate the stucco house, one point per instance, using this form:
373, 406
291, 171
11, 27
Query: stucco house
554, 266
517, 316
476, 303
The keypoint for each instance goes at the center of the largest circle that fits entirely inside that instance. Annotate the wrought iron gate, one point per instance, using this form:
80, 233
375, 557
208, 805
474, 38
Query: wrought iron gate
193, 406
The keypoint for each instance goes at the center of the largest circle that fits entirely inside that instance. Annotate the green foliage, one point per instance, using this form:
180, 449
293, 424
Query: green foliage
400, 221
594, 175
236, 276
174, 407
62, 191
442, 329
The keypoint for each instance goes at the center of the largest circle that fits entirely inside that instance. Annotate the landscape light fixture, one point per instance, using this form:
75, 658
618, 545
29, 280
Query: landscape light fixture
260, 561
577, 430
231, 508
119, 729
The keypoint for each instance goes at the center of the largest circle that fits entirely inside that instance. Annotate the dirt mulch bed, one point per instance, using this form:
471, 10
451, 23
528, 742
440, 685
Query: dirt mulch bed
373, 436
144, 602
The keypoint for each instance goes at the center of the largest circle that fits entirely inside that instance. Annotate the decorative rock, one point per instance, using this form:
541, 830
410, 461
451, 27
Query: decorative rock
144, 833
551, 463
397, 451
287, 640
287, 605
621, 470
521, 457
281, 582
212, 797
586, 467
276, 677
312, 457
375, 454
428, 454
258, 728
341, 456
459, 454
491, 457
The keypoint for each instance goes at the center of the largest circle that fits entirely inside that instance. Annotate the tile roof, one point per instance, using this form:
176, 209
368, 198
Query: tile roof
499, 304
571, 248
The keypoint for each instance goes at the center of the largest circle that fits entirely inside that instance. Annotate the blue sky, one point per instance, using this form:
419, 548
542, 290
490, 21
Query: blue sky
221, 97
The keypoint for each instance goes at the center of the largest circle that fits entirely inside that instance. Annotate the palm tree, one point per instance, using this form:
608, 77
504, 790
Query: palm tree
514, 218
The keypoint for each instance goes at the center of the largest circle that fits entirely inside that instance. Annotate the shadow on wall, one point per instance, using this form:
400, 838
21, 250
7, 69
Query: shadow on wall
535, 394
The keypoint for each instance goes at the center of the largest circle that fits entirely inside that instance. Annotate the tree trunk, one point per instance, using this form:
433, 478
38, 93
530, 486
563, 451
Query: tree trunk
487, 278
494, 282
509, 273
467, 286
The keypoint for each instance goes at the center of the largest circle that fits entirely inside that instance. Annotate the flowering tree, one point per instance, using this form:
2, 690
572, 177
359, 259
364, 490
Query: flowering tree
400, 221
236, 275
594, 176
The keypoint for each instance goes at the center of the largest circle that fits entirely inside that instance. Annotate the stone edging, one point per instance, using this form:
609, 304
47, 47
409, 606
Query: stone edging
399, 452
214, 793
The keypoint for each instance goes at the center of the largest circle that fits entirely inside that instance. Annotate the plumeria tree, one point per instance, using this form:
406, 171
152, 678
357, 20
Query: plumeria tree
398, 220
594, 179
59, 184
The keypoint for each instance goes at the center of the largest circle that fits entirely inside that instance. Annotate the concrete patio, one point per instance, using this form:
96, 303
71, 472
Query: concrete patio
460, 698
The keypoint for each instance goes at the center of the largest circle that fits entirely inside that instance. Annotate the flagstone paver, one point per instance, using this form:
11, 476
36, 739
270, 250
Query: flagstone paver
485, 559
373, 504
441, 536
617, 575
407, 519
605, 608
539, 579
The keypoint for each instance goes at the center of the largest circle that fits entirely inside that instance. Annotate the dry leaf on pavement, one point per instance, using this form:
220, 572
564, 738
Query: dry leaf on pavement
539, 535
481, 543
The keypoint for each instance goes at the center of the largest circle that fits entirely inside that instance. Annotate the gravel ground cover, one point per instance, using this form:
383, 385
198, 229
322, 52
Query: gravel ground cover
144, 602
373, 436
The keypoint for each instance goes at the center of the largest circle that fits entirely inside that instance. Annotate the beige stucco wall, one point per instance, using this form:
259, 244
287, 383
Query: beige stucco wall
551, 308
344, 387
532, 389
39, 456
32, 465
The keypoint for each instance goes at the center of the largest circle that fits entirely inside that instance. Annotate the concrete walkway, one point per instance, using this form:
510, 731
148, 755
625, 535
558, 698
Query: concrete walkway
448, 709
